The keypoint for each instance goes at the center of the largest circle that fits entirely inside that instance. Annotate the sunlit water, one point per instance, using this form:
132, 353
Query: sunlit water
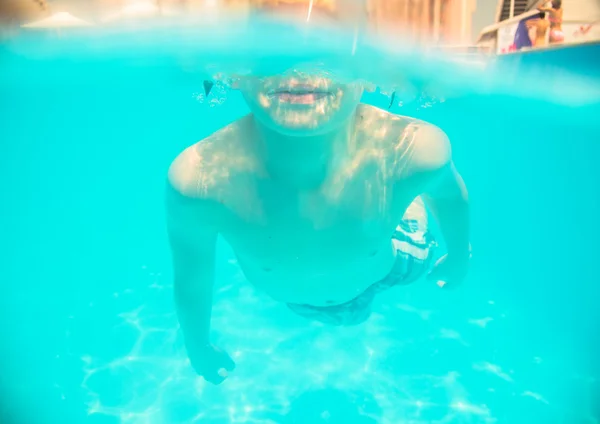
89, 127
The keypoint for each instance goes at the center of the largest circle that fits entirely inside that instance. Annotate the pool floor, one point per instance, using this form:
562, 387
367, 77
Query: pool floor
472, 362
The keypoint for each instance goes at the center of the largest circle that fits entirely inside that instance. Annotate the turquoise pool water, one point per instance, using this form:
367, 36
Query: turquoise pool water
88, 324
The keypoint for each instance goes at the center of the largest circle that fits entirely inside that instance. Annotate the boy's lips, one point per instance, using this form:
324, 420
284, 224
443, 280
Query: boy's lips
300, 94
301, 98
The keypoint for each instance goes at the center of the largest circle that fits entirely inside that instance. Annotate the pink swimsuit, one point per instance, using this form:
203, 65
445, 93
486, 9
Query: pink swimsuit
556, 35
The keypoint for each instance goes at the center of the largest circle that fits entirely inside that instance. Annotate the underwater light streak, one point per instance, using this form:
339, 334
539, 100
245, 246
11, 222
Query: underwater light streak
310, 6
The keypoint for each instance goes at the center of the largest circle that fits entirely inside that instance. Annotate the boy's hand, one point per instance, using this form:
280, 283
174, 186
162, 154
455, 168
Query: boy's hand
449, 271
211, 363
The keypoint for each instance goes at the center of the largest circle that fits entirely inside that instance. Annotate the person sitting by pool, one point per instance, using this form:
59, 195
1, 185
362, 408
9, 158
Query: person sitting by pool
556, 14
322, 199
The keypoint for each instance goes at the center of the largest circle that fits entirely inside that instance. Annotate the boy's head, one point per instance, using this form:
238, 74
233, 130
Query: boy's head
303, 101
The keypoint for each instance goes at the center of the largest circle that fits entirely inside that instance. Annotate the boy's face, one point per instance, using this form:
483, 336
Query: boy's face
301, 102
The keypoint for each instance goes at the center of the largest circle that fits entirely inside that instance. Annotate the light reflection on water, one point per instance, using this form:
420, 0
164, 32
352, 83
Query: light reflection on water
407, 364
225, 49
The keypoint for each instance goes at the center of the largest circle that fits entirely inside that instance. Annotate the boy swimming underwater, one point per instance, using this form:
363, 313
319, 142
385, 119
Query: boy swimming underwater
321, 198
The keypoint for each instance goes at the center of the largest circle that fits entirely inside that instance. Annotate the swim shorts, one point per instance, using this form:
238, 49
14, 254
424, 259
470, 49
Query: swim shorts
414, 247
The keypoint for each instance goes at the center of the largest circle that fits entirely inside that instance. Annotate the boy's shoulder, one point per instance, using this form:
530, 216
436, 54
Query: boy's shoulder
208, 166
403, 136
372, 118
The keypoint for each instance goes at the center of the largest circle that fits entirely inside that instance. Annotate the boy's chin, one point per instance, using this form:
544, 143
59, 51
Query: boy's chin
302, 126
300, 130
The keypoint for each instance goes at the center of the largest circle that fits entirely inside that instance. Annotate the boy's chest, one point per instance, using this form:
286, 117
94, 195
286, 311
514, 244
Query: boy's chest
351, 215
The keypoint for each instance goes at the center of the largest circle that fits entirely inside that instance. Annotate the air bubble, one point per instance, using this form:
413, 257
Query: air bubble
216, 97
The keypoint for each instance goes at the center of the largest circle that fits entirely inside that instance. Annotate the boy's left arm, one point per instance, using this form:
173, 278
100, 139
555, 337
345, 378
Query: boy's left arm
445, 194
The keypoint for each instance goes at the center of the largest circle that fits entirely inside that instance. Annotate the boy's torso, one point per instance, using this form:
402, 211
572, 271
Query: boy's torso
319, 247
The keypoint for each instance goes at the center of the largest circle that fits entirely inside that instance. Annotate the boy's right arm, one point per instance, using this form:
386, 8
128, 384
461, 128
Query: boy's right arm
193, 244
